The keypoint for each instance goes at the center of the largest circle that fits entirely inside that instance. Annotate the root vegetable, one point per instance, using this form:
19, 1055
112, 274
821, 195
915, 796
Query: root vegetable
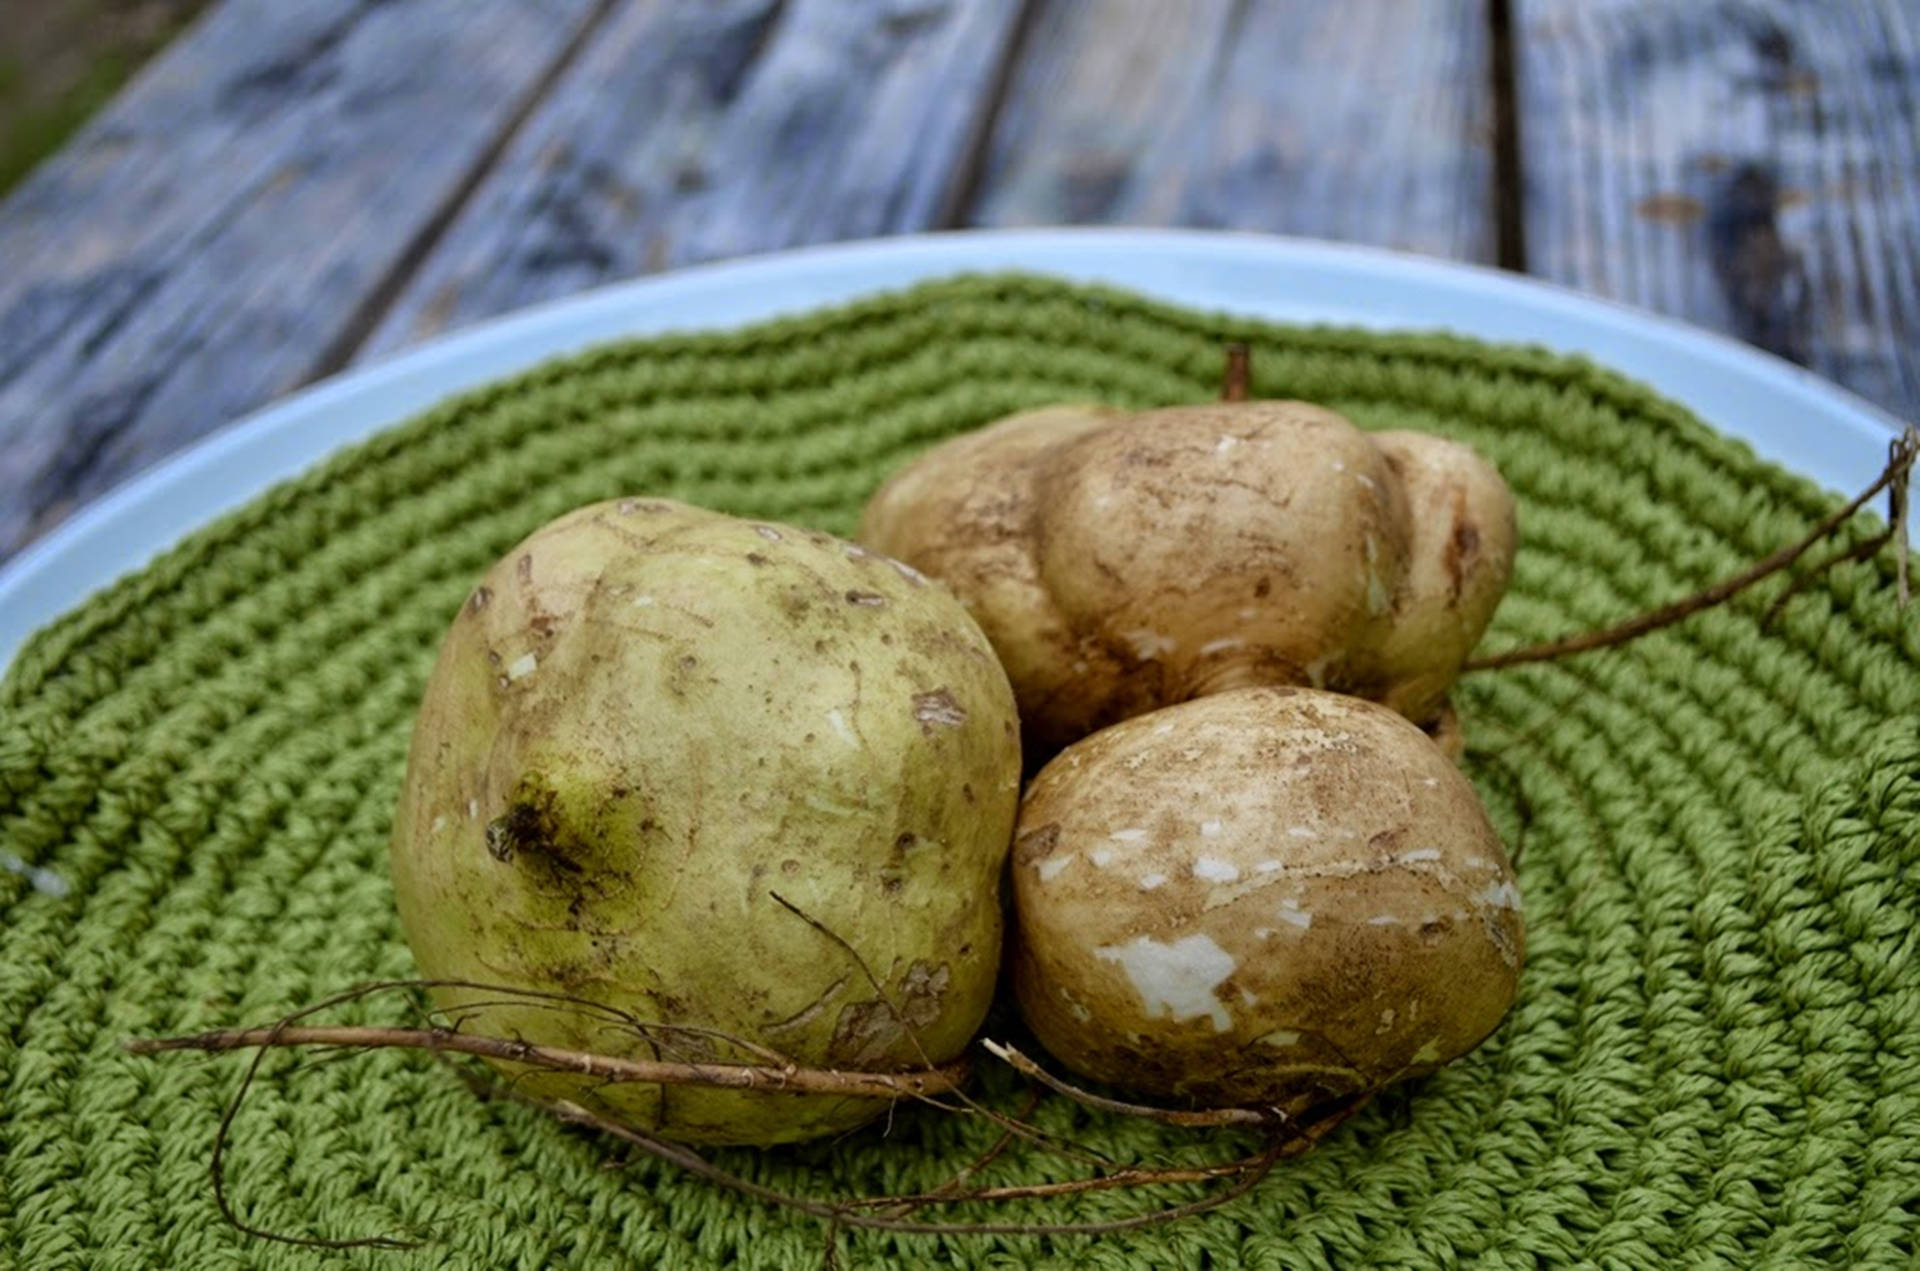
1262, 897
1121, 562
744, 782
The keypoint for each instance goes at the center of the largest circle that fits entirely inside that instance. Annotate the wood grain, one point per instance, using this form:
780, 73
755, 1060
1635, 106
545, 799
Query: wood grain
1369, 122
689, 132
208, 241
1750, 167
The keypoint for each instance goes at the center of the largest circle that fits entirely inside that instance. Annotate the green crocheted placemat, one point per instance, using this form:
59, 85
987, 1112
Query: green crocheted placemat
1715, 1059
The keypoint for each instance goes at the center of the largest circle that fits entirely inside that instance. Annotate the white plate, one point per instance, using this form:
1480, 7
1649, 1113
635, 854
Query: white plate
1786, 413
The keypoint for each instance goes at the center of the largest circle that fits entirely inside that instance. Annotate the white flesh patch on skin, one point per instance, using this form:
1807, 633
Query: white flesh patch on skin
1291, 912
1384, 920
1050, 868
1163, 730
1149, 645
1420, 854
1221, 646
1150, 881
473, 808
1430, 782
767, 532
839, 723
1268, 867
641, 602
1281, 1037
1101, 857
1128, 836
1176, 980
1225, 444
1210, 829
439, 823
1299, 832
1214, 870
522, 666
1502, 895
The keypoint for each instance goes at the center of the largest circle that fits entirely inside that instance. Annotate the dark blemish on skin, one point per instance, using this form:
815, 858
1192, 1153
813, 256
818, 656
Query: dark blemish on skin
1262, 589
906, 839
755, 558
966, 792
1433, 929
1037, 843
892, 886
493, 657
524, 568
886, 638
1463, 545
865, 598
480, 599
938, 710
528, 826
789, 867
542, 624
1386, 840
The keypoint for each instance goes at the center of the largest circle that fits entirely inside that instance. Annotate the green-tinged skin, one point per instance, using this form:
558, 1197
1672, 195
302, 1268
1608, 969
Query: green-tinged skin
647, 723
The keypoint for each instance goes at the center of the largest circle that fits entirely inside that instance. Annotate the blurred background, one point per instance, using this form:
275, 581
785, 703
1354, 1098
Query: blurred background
205, 204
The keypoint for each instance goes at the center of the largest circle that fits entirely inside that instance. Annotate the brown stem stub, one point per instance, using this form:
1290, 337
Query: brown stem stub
1236, 381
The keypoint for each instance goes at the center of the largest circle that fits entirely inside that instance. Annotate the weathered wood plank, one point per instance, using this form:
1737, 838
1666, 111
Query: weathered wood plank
689, 132
1369, 122
208, 241
1751, 167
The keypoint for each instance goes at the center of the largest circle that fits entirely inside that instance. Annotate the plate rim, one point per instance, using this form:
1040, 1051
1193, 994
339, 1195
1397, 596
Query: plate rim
151, 511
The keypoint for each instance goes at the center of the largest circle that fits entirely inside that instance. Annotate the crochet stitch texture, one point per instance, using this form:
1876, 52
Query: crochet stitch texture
1715, 1059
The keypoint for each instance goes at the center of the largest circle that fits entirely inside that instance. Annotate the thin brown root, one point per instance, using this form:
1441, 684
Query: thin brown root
840, 1214
1864, 550
1236, 381
1893, 478
1287, 1136
1169, 1116
1034, 1134
793, 1079
1127, 1178
904, 1205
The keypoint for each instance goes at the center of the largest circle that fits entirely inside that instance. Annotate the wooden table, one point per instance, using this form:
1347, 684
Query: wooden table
300, 186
